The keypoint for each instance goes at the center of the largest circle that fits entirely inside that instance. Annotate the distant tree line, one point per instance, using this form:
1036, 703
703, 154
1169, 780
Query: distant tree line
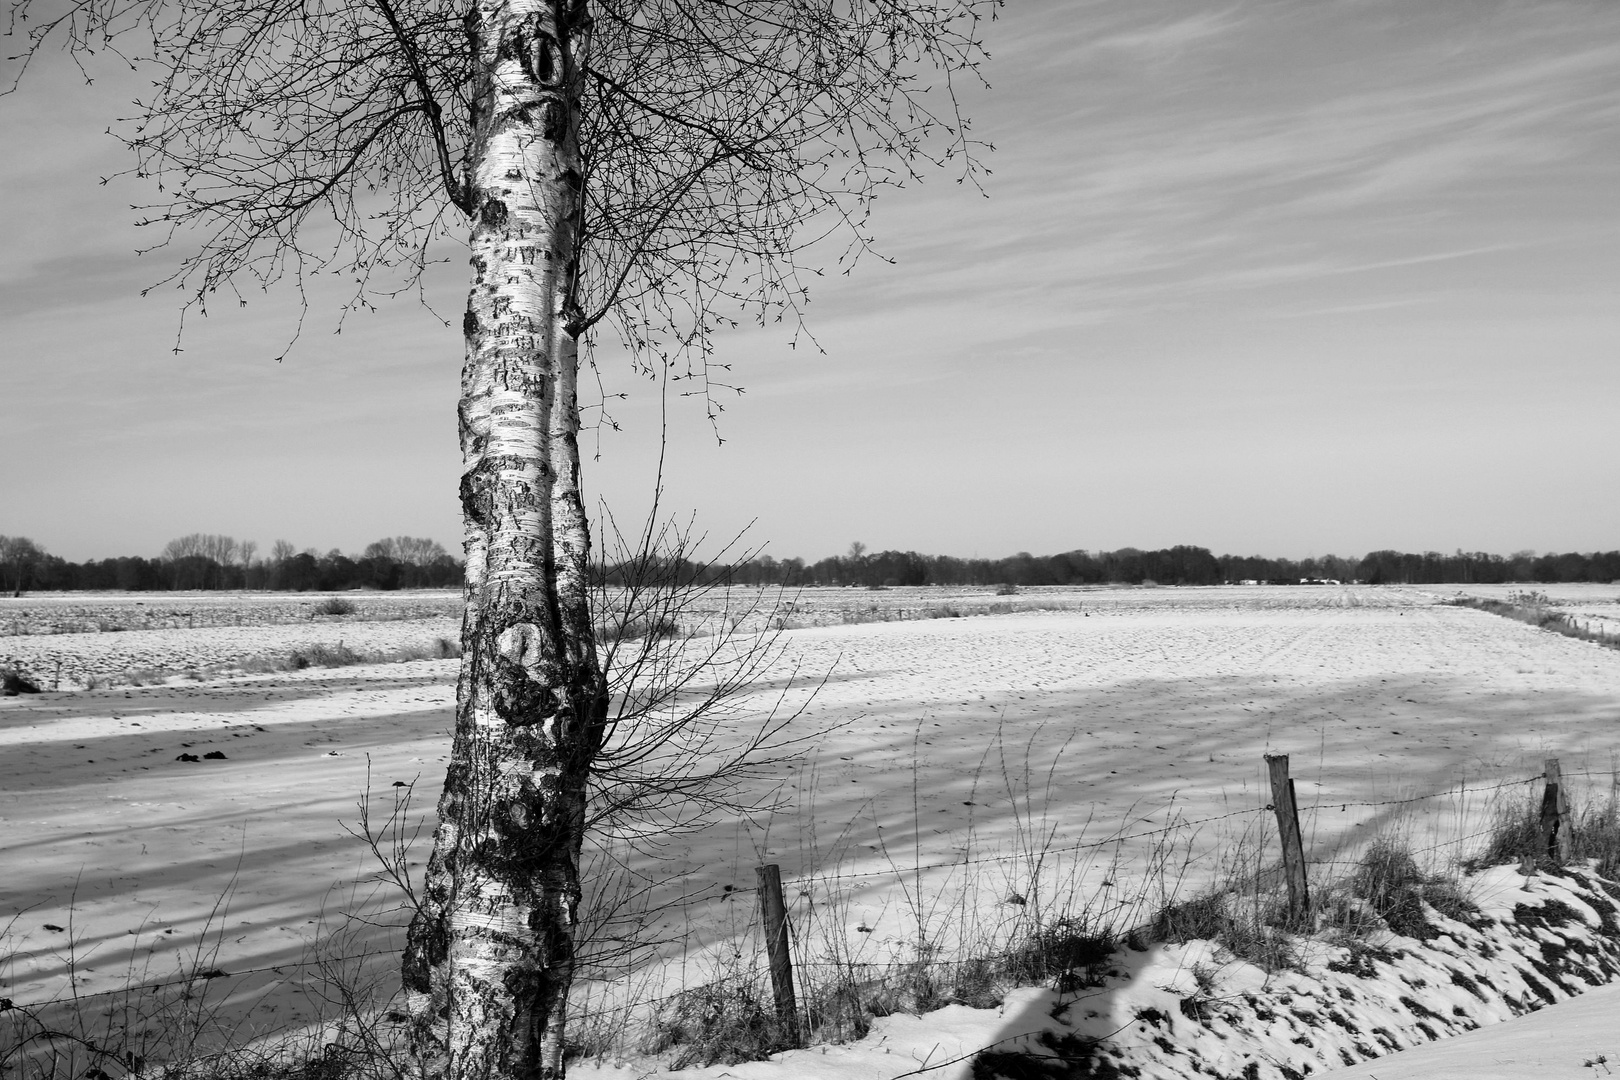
1464, 568
209, 561
1180, 565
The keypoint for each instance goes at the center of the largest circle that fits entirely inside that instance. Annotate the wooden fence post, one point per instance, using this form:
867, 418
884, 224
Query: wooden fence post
1554, 814
1293, 848
773, 913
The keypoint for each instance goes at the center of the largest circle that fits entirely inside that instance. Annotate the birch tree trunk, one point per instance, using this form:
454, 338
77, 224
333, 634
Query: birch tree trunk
490, 955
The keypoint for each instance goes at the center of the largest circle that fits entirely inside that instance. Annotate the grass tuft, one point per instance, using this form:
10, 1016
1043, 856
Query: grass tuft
1066, 953
723, 1023
318, 655
1389, 880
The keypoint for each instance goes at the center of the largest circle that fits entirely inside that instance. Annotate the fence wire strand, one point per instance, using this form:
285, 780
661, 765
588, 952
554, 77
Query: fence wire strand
825, 879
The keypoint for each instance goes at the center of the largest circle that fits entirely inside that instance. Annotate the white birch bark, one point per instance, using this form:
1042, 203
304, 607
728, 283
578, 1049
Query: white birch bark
490, 956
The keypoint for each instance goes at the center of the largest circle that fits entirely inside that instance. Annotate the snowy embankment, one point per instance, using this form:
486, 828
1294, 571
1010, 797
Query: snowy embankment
1193, 1011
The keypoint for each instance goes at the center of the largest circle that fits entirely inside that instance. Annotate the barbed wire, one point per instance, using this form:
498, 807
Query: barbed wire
1451, 792
1079, 845
1176, 826
1456, 842
732, 892
1099, 914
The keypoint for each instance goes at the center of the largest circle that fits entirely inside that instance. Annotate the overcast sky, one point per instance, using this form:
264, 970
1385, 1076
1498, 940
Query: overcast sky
1270, 277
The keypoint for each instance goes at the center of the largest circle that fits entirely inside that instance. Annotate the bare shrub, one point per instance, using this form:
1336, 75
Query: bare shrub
13, 683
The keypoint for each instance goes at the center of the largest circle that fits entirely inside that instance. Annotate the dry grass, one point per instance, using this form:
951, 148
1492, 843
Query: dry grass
1536, 609
179, 1025
1049, 931
1516, 835
719, 1023
319, 655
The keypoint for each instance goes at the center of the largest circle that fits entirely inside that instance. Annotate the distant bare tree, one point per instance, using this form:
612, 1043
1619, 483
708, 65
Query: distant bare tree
415, 550
18, 556
281, 551
245, 550
182, 547
418, 550
381, 549
220, 549
213, 551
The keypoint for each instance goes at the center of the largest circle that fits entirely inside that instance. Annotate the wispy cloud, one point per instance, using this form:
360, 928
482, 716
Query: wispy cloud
1249, 158
1172, 35
1352, 309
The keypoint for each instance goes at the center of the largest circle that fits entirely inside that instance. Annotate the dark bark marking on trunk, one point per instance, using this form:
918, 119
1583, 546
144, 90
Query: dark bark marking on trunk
480, 484
553, 120
516, 47
534, 50
519, 699
477, 496
427, 946
472, 441
493, 214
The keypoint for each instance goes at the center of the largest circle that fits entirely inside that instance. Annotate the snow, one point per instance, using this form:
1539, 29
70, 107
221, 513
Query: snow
1190, 1010
1127, 712
1559, 1043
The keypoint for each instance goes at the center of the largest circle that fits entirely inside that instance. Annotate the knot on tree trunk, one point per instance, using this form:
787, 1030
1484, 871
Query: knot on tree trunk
526, 676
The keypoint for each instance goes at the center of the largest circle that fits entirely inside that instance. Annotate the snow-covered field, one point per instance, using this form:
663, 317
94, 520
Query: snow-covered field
67, 639
1102, 713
